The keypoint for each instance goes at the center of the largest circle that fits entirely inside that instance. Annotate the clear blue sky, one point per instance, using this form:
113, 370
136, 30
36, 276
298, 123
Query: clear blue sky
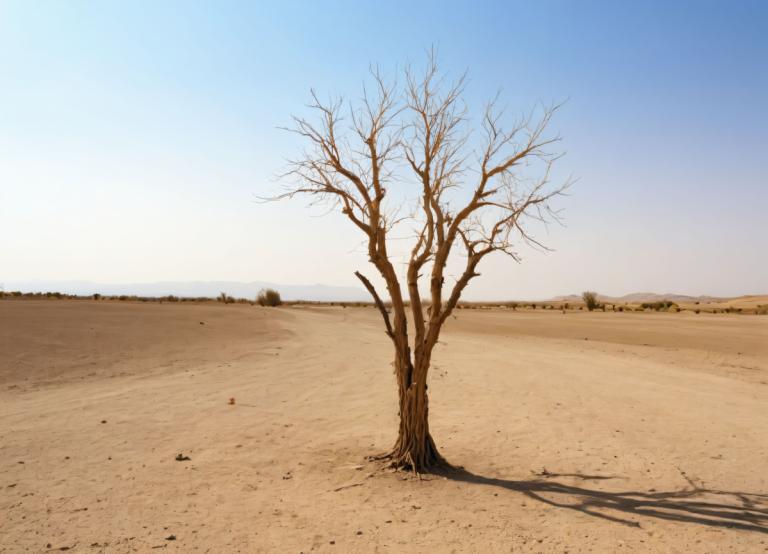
134, 135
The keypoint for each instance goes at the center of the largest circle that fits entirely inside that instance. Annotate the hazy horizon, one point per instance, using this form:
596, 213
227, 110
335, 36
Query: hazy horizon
290, 291
134, 138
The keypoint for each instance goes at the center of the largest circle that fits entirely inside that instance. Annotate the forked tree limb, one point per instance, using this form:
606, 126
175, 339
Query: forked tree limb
379, 303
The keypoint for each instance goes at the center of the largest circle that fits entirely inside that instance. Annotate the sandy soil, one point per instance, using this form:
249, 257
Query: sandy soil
581, 432
745, 302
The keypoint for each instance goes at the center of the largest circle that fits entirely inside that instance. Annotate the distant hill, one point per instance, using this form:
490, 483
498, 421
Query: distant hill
319, 293
653, 297
637, 297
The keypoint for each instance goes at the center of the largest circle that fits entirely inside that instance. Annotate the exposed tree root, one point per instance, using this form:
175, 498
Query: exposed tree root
423, 460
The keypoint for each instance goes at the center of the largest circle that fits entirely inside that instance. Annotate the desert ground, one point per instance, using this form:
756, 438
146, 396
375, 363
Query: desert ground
577, 432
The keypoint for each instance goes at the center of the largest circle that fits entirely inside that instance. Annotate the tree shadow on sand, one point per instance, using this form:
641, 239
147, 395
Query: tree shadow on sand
704, 506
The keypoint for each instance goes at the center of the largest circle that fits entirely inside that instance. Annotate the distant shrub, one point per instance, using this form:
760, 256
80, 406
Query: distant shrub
225, 298
698, 311
567, 306
96, 296
268, 297
659, 305
621, 308
513, 305
590, 300
122, 297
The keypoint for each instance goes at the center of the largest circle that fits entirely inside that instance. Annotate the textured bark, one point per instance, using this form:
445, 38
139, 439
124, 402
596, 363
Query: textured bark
415, 448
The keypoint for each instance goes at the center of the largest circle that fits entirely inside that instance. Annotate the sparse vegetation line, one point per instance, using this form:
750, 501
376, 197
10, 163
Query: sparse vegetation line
719, 307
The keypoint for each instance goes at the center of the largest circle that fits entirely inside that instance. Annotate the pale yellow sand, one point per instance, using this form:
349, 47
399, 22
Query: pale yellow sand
651, 435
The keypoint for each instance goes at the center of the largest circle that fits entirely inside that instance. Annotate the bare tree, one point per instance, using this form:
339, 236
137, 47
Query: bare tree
416, 137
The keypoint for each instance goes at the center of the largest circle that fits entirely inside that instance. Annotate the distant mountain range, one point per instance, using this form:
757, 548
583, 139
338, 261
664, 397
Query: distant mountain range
319, 293
644, 297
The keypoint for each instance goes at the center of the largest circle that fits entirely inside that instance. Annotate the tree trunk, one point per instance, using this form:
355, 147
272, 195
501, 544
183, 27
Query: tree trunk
415, 449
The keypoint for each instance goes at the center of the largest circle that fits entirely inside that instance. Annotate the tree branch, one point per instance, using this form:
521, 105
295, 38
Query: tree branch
417, 135
379, 303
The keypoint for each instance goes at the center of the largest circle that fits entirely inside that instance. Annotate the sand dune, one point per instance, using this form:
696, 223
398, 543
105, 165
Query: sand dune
650, 435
